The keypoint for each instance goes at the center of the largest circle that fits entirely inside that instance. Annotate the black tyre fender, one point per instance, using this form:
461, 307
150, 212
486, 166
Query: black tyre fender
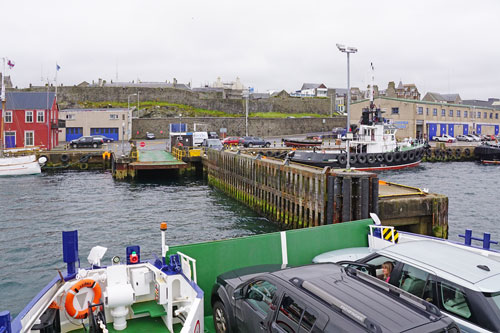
380, 157
84, 166
222, 322
449, 152
389, 157
397, 156
467, 152
362, 158
428, 152
458, 152
371, 159
411, 155
342, 158
353, 158
64, 158
404, 156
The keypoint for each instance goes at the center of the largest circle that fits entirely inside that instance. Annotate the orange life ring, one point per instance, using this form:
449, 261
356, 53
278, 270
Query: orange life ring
85, 283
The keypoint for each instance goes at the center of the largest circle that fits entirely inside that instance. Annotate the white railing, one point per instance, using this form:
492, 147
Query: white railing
186, 264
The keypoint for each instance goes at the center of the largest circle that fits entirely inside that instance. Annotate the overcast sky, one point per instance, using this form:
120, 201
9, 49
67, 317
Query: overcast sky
441, 46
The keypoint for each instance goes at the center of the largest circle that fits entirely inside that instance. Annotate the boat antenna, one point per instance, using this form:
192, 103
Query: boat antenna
372, 92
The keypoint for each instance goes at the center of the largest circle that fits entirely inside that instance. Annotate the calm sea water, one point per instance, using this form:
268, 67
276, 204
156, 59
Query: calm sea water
34, 210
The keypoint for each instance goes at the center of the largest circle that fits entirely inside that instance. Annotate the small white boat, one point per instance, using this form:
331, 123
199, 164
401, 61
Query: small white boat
21, 165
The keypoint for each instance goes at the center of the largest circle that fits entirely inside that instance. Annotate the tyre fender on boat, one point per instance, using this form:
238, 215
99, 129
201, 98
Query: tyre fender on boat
397, 156
411, 155
362, 158
428, 152
342, 158
389, 157
404, 156
371, 158
353, 158
380, 157
75, 289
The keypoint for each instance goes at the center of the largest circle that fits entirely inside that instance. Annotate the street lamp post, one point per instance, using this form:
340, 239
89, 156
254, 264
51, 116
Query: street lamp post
348, 50
123, 134
129, 115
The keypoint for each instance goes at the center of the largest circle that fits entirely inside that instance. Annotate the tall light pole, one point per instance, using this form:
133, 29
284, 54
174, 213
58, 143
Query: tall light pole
348, 50
246, 96
129, 115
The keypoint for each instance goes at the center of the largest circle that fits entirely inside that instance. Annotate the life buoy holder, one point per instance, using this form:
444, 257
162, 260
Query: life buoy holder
75, 289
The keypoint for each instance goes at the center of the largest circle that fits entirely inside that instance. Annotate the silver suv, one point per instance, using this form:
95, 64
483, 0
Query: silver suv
463, 284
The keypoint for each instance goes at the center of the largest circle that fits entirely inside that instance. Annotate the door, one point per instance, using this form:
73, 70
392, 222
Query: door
294, 316
73, 133
256, 307
466, 129
497, 129
451, 130
10, 139
432, 131
107, 132
442, 129
478, 129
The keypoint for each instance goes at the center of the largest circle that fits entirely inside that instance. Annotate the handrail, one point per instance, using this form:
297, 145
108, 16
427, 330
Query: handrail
190, 262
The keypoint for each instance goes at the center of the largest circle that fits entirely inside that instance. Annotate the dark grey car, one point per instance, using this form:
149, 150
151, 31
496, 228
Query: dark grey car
252, 141
86, 141
318, 298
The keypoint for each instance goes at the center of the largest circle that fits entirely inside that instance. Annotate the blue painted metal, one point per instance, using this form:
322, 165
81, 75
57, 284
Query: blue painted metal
451, 129
486, 239
466, 129
174, 267
10, 141
111, 132
497, 129
137, 250
5, 319
73, 133
442, 129
478, 129
432, 131
70, 249
178, 127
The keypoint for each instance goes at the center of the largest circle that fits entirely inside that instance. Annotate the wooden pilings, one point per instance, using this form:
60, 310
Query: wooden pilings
294, 196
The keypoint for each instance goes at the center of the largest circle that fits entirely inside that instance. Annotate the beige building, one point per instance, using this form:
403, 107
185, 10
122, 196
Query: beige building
428, 119
112, 123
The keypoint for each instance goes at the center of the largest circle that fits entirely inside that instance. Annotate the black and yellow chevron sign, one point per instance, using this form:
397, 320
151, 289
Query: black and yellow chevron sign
388, 232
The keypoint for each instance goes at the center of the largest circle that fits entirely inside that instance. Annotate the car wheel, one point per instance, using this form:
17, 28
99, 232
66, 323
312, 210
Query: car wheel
250, 145
221, 320
94, 145
267, 145
74, 145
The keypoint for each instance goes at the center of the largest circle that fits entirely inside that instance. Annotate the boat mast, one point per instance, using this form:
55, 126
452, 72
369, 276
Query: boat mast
3, 109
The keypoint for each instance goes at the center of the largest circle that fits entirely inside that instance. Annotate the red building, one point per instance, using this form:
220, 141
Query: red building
30, 120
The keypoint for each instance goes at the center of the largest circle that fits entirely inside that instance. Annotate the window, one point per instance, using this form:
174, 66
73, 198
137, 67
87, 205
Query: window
458, 113
465, 114
29, 138
485, 115
479, 114
451, 113
70, 117
291, 316
454, 301
260, 295
496, 115
443, 112
426, 111
377, 263
491, 115
395, 110
420, 110
40, 116
8, 116
435, 112
28, 116
413, 280
113, 116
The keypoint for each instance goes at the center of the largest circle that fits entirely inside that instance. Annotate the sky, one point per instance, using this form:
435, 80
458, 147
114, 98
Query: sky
441, 46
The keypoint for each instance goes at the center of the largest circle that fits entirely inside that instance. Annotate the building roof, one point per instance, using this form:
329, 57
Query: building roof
99, 110
451, 97
490, 103
415, 101
29, 100
312, 86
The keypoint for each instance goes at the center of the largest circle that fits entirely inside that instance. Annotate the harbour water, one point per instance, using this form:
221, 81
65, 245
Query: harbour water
34, 210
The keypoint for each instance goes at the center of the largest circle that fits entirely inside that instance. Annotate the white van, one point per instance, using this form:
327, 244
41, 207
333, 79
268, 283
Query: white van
198, 138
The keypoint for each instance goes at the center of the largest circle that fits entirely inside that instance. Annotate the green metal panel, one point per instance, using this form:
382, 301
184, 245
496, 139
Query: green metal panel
304, 244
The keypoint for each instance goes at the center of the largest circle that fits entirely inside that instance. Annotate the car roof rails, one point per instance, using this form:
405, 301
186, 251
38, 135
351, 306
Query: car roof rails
410, 298
339, 305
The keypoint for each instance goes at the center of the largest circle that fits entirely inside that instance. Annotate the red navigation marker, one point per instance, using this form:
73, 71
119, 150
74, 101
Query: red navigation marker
143, 144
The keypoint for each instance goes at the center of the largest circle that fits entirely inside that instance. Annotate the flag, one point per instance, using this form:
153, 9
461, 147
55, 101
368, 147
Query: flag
57, 67
10, 63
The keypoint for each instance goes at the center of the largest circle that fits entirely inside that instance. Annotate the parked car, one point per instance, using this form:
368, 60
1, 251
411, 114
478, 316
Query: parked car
104, 138
464, 138
445, 138
251, 141
150, 136
86, 141
465, 285
487, 137
212, 144
213, 135
231, 141
474, 137
317, 298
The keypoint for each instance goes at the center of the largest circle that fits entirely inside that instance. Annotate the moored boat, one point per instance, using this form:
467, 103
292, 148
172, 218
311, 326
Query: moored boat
488, 153
21, 165
297, 143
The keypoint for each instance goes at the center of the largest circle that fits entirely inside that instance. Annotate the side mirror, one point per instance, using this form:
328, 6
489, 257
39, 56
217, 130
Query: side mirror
238, 293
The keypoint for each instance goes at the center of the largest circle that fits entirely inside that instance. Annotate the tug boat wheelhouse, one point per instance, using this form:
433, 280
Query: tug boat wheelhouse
488, 153
375, 148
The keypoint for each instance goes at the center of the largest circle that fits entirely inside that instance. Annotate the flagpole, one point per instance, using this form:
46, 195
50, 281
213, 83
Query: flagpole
57, 70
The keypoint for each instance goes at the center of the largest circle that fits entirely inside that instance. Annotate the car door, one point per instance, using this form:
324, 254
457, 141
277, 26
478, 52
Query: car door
255, 309
294, 315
